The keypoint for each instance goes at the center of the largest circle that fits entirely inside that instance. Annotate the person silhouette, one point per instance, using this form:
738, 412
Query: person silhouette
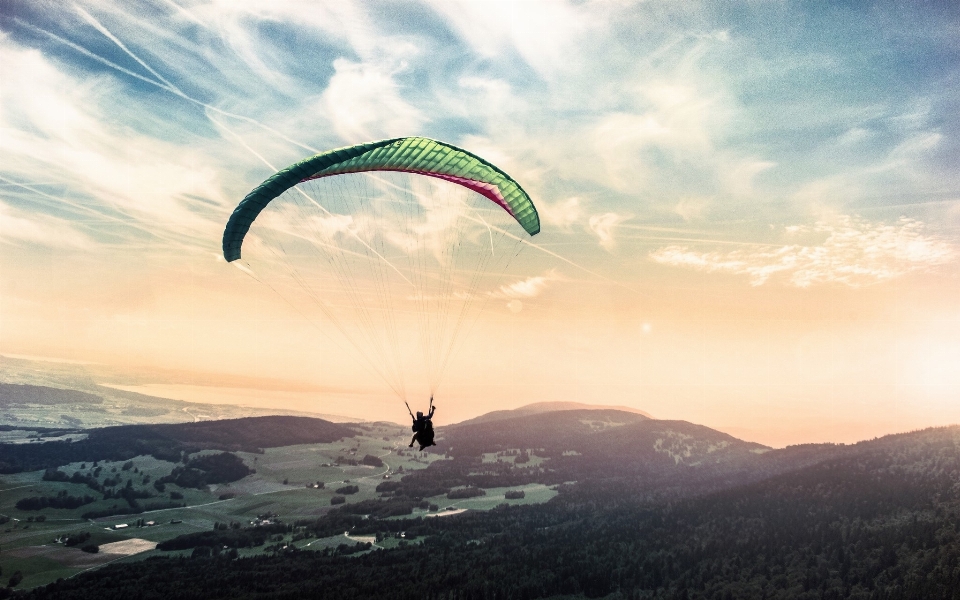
423, 428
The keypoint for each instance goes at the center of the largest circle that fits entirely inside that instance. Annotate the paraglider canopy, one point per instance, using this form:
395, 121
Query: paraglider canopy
418, 155
390, 241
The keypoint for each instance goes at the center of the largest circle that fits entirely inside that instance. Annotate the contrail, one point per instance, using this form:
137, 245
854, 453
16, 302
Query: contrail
703, 241
186, 12
92, 55
34, 183
654, 228
173, 90
569, 262
907, 204
241, 141
99, 27
167, 88
80, 207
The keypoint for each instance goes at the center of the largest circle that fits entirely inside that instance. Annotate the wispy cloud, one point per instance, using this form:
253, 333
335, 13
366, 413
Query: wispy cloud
61, 129
363, 103
529, 287
854, 252
562, 214
603, 226
18, 228
540, 32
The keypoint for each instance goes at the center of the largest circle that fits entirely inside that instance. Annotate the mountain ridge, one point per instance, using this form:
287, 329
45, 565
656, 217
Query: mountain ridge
543, 407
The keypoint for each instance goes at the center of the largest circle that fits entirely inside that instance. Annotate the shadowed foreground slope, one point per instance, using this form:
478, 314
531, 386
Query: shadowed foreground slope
875, 520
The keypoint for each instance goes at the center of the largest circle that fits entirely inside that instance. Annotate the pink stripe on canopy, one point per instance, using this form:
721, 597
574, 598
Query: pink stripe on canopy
487, 190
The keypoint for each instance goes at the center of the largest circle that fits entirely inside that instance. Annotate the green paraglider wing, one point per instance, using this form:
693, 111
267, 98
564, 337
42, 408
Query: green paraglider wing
418, 155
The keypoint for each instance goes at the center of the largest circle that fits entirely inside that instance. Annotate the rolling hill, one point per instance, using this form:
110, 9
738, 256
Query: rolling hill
553, 431
877, 519
546, 407
168, 441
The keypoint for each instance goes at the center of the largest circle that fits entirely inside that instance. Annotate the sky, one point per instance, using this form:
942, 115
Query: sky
749, 210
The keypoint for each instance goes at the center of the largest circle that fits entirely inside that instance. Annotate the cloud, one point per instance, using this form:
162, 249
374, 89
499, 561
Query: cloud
691, 209
530, 287
364, 103
540, 32
855, 252
563, 214
330, 226
671, 121
39, 229
739, 177
63, 131
603, 226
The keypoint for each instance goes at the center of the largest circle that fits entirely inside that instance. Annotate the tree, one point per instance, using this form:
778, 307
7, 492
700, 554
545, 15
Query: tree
372, 461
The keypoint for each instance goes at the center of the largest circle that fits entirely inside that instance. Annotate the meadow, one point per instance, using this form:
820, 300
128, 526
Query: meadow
290, 483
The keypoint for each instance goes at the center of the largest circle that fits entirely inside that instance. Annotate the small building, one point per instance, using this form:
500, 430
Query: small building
121, 526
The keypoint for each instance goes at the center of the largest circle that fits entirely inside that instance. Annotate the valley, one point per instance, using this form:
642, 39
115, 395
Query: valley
549, 483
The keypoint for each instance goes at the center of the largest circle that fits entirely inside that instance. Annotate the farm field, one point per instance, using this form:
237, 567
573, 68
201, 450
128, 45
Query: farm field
288, 484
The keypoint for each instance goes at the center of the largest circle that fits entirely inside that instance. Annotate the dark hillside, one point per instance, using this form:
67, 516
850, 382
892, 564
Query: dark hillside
679, 442
662, 454
544, 407
582, 442
554, 432
606, 452
606, 459
879, 521
167, 442
252, 433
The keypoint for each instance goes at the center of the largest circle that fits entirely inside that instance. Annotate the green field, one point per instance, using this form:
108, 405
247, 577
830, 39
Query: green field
279, 487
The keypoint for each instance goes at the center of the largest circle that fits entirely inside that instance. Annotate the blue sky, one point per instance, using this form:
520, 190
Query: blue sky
751, 203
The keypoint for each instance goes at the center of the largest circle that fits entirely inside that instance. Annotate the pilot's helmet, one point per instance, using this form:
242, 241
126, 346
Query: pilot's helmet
419, 414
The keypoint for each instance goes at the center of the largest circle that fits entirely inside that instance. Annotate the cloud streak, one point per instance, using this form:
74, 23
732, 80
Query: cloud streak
530, 287
603, 227
45, 231
854, 252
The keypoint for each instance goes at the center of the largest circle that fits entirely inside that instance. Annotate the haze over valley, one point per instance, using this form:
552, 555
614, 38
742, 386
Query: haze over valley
259, 493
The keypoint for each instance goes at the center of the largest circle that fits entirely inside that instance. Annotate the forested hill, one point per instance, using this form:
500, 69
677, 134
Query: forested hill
249, 433
617, 451
546, 407
608, 434
170, 440
877, 520
554, 431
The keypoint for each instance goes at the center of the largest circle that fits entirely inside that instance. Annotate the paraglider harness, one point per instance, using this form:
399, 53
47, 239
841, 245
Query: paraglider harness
422, 427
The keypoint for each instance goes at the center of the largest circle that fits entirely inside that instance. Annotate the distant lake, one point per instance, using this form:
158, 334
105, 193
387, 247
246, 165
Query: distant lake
333, 406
